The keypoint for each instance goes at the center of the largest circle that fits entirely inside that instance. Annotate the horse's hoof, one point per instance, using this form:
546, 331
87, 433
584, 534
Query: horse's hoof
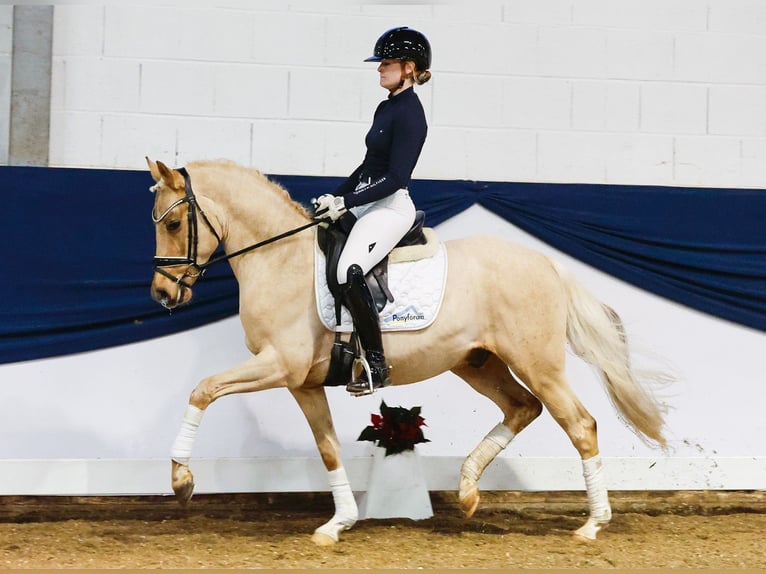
322, 539
588, 531
469, 496
183, 483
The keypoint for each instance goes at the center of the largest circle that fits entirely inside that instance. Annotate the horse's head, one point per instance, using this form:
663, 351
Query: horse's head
185, 237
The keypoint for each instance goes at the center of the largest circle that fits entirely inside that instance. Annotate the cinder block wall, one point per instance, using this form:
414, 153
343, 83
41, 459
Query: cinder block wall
659, 92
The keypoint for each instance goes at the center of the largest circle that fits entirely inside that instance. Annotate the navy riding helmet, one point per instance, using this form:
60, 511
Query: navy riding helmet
403, 43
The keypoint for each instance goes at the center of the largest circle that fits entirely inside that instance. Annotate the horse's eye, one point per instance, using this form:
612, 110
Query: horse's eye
173, 225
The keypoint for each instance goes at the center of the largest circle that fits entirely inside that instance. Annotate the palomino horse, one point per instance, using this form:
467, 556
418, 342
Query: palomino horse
524, 307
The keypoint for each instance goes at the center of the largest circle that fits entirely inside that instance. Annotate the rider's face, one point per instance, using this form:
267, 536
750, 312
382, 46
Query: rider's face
390, 70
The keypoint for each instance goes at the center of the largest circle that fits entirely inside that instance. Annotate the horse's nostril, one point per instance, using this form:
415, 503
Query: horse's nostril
160, 295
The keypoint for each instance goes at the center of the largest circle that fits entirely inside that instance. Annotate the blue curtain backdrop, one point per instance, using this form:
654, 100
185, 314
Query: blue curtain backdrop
78, 243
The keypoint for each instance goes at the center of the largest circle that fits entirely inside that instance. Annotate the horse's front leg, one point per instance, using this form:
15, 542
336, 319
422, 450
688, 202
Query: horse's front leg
263, 371
313, 403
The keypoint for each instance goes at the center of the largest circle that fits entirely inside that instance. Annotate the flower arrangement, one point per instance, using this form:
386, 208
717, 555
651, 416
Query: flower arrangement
396, 429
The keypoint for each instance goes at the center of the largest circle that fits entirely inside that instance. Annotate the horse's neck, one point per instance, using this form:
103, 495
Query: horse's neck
249, 216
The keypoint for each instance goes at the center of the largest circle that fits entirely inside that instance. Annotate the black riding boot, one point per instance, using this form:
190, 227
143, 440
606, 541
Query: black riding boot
360, 304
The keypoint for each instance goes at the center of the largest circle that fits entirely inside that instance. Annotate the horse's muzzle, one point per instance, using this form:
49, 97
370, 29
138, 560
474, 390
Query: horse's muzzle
170, 295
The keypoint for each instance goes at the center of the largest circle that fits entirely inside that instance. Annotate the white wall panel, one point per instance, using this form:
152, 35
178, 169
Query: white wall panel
606, 106
738, 110
640, 55
537, 103
644, 14
566, 71
673, 108
721, 58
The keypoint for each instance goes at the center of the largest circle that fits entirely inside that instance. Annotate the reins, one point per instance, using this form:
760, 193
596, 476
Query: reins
227, 256
191, 256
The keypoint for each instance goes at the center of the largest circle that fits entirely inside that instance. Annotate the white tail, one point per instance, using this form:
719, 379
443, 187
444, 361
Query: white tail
596, 334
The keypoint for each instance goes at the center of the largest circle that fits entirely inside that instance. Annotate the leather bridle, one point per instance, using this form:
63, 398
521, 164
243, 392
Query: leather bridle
160, 263
194, 269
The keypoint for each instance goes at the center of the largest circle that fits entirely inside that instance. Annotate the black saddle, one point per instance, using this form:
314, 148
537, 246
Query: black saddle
333, 238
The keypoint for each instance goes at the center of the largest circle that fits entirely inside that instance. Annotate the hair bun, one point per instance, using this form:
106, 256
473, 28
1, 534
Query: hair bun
423, 77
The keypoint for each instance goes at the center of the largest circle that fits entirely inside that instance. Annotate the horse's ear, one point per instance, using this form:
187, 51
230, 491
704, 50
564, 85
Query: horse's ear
153, 169
162, 173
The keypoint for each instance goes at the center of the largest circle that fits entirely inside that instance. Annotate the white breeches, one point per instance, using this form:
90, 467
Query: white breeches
379, 227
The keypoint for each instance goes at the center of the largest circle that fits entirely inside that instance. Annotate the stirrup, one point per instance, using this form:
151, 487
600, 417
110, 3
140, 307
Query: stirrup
366, 383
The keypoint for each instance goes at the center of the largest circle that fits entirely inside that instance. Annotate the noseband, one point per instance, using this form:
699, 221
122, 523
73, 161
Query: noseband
193, 269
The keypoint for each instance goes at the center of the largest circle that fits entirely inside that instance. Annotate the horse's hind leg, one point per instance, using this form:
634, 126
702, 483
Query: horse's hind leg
555, 393
313, 403
519, 407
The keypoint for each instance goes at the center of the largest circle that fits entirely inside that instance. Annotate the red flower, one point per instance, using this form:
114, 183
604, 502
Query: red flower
396, 429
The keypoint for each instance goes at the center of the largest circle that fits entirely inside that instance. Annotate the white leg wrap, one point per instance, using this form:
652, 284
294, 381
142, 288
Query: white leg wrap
495, 441
598, 498
346, 512
182, 446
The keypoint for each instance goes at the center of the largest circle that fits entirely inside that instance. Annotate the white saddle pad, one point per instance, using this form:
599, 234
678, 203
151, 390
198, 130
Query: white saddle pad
417, 287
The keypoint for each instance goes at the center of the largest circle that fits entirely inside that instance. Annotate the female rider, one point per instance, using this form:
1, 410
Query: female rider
376, 192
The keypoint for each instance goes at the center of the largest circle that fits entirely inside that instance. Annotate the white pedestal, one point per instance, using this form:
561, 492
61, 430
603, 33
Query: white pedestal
397, 488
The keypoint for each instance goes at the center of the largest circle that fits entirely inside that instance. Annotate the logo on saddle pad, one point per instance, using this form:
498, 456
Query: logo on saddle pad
411, 313
417, 287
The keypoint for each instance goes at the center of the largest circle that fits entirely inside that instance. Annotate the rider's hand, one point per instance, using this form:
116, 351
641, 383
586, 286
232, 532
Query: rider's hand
329, 205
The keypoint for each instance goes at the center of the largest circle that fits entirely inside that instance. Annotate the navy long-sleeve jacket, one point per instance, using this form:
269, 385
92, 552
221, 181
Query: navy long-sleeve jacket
393, 144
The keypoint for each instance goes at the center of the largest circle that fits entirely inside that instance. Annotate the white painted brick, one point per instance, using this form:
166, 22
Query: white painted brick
753, 166
288, 147
572, 52
146, 32
574, 157
95, 84
721, 58
502, 155
250, 91
605, 106
78, 30
216, 35
642, 14
538, 103
673, 108
638, 159
282, 38
547, 13
214, 138
402, 12
737, 16
177, 88
128, 138
317, 94
464, 100
350, 40
706, 161
344, 148
445, 154
464, 12
738, 110
580, 157
522, 90
485, 48
68, 131
640, 55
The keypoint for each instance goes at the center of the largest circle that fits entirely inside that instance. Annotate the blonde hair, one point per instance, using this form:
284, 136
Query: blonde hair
421, 77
